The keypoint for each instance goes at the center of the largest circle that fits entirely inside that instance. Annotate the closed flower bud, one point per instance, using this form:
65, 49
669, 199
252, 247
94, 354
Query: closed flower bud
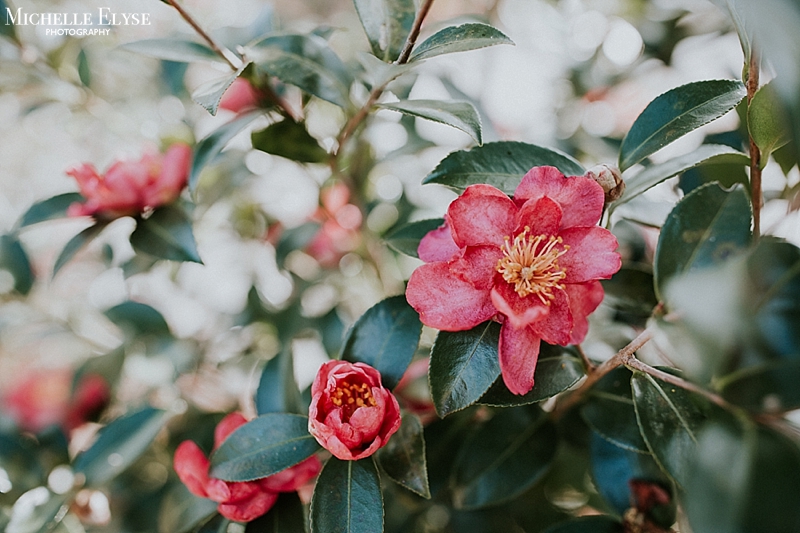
609, 179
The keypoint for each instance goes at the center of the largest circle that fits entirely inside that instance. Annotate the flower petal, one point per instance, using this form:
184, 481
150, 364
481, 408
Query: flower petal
173, 176
583, 300
293, 477
591, 254
542, 215
520, 311
556, 326
445, 301
580, 198
481, 215
478, 265
519, 351
249, 509
437, 245
191, 465
226, 426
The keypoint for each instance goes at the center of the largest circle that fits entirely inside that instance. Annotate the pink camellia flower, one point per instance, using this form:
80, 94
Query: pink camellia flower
340, 223
351, 415
531, 263
240, 96
130, 187
241, 501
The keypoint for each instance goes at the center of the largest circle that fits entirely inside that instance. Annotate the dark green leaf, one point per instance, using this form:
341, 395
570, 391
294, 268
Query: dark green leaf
40, 518
610, 412
707, 154
295, 239
84, 70
208, 148
771, 387
767, 122
706, 227
675, 113
387, 24
403, 458
287, 516
277, 390
108, 366
181, 511
305, 61
459, 39
120, 443
405, 239
138, 319
504, 458
166, 234
55, 207
289, 139
262, 447
556, 371
463, 366
7, 28
347, 498
588, 524
179, 50
210, 94
460, 115
631, 292
386, 338
14, 260
501, 164
76, 243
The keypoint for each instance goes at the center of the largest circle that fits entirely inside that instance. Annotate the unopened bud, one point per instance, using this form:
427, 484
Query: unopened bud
609, 179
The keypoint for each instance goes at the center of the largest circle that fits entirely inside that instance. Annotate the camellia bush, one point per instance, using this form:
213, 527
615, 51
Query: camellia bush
590, 336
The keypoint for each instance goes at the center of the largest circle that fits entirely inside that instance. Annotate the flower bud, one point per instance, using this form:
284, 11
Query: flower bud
609, 179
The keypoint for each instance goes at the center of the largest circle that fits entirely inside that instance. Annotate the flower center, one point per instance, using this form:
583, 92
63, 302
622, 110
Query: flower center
351, 396
531, 264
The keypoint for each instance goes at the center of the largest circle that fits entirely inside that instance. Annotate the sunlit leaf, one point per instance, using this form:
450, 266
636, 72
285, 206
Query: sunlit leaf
461, 38
76, 244
209, 95
767, 122
387, 23
173, 49
460, 115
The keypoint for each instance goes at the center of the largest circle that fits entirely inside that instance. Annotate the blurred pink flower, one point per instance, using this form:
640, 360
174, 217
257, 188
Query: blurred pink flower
242, 501
531, 263
340, 221
240, 96
130, 187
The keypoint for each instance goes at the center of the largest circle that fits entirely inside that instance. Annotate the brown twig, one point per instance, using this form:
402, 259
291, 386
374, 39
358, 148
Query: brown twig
590, 366
219, 50
755, 153
415, 29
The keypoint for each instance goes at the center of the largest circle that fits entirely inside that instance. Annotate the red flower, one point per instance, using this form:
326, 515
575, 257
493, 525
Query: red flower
340, 223
241, 95
351, 415
531, 263
130, 187
242, 501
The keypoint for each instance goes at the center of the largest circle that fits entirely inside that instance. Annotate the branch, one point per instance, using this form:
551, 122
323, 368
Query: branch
415, 29
755, 154
220, 51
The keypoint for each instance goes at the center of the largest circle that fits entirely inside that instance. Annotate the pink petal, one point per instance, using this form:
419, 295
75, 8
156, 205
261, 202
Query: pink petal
519, 351
368, 420
520, 311
293, 477
481, 215
226, 426
591, 254
391, 421
446, 302
250, 509
478, 265
580, 198
583, 300
172, 178
542, 215
87, 177
437, 245
555, 328
337, 448
346, 433
191, 465
239, 96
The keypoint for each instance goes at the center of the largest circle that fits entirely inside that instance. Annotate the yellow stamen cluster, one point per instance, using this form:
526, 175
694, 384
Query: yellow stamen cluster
531, 264
351, 396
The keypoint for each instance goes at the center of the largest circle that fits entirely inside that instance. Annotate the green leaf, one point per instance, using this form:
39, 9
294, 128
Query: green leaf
181, 511
289, 139
631, 292
208, 148
675, 113
405, 239
588, 524
767, 122
286, 516
610, 412
119, 445
39, 518
75, 244
295, 239
460, 115
347, 498
461, 38
386, 338
403, 457
210, 94
277, 390
501, 164
463, 366
84, 70
556, 371
55, 207
707, 154
108, 366
264, 446
166, 234
706, 227
504, 458
14, 260
7, 28
305, 61
377, 73
179, 50
138, 319
387, 24
771, 387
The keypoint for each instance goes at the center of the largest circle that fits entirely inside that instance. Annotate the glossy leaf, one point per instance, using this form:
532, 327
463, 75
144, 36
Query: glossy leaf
377, 73
706, 227
461, 38
504, 458
75, 244
610, 412
277, 390
767, 122
460, 115
556, 371
262, 447
501, 164
347, 498
706, 154
84, 70
630, 291
386, 338
588, 524
387, 24
289, 139
208, 148
463, 366
770, 387
55, 207
403, 457
14, 260
166, 234
676, 113
286, 516
138, 319
405, 239
120, 443
179, 50
209, 95
181, 511
305, 61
